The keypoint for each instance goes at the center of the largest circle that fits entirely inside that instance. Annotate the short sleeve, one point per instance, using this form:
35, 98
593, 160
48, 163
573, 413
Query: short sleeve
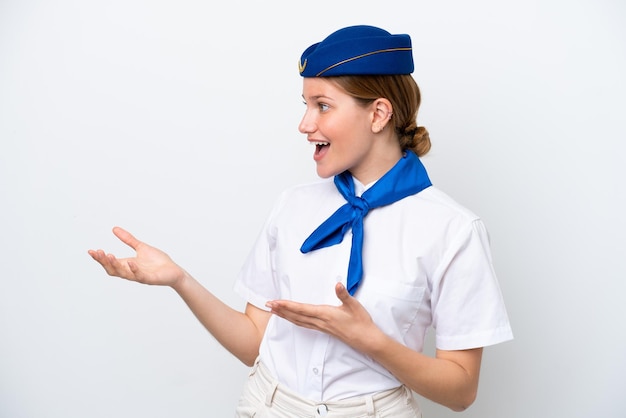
256, 280
467, 304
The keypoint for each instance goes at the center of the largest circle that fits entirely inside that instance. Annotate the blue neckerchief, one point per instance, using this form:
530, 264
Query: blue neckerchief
406, 178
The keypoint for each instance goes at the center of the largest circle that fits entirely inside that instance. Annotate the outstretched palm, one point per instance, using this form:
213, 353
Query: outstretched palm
149, 266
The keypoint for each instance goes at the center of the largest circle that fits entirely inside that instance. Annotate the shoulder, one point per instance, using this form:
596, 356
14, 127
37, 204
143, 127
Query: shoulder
434, 206
432, 213
441, 203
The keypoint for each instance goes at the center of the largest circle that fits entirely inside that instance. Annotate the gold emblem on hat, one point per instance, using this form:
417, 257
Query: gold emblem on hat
301, 66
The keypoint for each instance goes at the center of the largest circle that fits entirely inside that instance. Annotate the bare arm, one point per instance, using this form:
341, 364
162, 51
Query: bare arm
451, 378
239, 332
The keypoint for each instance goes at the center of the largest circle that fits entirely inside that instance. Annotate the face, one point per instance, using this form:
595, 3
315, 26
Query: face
339, 128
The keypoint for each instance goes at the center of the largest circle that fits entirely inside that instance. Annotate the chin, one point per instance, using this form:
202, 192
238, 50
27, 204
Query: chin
325, 174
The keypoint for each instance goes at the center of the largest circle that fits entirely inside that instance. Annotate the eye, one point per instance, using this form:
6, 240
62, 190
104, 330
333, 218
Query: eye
323, 107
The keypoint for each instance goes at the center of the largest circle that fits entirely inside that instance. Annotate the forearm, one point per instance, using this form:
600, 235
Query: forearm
234, 330
450, 379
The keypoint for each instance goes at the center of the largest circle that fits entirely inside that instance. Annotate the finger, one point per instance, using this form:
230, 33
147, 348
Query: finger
113, 266
292, 310
99, 256
298, 318
342, 293
126, 237
110, 263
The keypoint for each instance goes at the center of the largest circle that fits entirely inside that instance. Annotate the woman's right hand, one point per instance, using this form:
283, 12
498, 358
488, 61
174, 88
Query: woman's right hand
149, 266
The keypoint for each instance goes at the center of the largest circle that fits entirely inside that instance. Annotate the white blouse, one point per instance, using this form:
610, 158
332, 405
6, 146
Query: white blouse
426, 262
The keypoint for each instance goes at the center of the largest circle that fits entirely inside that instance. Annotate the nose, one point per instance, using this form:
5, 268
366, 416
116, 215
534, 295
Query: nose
307, 124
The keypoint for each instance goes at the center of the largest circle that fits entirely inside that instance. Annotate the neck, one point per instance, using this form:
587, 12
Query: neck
383, 162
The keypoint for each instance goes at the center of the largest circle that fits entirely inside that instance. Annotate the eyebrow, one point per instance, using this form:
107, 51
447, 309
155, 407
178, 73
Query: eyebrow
317, 97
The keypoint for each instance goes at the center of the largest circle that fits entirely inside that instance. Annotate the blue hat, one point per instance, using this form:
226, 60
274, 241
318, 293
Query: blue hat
358, 50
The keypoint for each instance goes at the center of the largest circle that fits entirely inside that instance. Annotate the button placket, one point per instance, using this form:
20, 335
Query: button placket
316, 366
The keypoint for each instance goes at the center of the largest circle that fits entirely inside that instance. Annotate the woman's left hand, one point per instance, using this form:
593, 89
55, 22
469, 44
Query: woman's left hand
349, 322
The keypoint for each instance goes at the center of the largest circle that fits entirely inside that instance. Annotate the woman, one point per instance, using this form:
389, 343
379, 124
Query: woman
350, 271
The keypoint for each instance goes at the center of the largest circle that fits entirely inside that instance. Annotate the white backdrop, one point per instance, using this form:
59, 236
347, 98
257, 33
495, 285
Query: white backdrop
178, 120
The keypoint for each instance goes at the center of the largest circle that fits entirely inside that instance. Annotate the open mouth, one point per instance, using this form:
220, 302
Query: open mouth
320, 149
320, 146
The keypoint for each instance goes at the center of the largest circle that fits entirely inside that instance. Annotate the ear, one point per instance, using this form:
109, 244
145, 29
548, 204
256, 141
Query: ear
382, 110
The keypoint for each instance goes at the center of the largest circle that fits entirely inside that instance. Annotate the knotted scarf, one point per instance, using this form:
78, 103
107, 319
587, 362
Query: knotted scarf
407, 177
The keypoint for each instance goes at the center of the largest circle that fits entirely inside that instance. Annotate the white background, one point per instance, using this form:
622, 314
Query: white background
178, 120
